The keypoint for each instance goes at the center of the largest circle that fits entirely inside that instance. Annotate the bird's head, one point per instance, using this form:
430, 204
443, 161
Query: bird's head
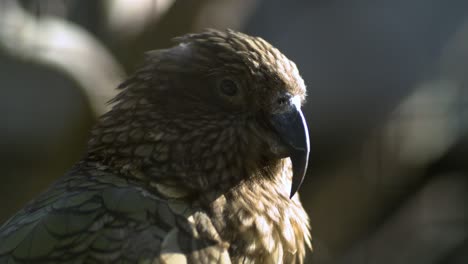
209, 111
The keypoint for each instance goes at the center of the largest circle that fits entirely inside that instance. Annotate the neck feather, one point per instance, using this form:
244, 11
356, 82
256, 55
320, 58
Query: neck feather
212, 151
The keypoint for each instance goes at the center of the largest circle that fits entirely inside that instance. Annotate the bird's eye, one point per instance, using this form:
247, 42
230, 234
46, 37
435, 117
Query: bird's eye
228, 87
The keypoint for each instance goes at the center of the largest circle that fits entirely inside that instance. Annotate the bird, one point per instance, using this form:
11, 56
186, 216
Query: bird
198, 160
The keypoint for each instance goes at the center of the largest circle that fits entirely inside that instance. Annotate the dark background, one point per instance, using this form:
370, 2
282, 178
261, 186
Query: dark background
387, 106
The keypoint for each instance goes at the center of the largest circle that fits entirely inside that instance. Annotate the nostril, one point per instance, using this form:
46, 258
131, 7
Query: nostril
283, 100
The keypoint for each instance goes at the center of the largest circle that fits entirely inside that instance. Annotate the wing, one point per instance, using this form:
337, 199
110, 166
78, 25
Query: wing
93, 216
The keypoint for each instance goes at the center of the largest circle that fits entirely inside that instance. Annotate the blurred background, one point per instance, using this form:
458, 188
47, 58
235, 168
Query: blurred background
387, 106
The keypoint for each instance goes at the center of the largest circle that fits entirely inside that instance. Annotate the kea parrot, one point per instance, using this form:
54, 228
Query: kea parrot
198, 161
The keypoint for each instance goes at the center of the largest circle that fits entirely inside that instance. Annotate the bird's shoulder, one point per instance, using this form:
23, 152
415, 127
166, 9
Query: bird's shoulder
93, 214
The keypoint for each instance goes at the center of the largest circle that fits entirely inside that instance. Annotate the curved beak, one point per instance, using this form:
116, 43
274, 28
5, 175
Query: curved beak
292, 130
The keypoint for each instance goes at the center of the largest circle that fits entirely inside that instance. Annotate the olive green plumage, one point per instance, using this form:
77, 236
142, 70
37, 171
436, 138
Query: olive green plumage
190, 166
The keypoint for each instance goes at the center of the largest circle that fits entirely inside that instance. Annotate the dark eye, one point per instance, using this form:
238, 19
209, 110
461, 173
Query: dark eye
228, 87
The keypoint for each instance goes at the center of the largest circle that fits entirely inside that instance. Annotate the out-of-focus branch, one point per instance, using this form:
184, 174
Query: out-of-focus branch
64, 46
430, 225
128, 18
